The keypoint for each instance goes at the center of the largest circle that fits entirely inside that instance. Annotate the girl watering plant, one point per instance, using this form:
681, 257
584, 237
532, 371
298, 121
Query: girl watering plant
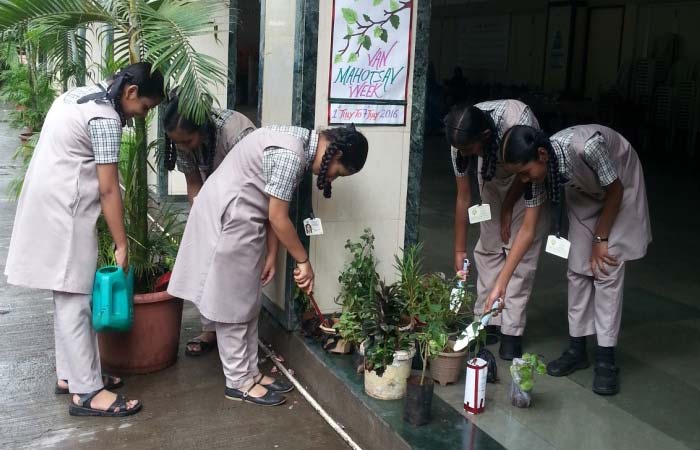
230, 243
476, 131
608, 225
198, 151
73, 176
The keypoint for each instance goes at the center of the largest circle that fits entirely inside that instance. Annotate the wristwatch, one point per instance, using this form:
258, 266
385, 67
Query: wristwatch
598, 239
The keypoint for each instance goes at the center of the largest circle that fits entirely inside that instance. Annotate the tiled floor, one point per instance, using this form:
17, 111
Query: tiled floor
659, 350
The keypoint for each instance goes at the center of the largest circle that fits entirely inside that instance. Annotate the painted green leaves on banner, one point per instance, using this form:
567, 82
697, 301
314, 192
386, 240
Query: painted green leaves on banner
395, 21
349, 15
362, 26
381, 33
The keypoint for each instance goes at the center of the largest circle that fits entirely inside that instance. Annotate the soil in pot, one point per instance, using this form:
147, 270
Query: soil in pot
419, 400
152, 342
332, 341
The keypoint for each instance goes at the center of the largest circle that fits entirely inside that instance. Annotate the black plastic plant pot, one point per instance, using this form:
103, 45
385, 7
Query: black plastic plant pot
419, 400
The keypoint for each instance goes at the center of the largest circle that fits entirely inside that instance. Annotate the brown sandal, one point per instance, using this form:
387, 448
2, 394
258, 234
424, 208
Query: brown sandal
204, 346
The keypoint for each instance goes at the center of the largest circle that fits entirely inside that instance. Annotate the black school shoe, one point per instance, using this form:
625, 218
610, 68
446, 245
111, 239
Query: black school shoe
271, 398
511, 347
492, 334
569, 362
280, 385
606, 379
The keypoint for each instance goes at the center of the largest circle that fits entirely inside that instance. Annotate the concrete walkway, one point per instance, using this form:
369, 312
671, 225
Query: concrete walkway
184, 406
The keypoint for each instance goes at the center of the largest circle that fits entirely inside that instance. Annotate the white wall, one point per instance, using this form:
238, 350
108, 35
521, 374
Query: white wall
277, 80
375, 198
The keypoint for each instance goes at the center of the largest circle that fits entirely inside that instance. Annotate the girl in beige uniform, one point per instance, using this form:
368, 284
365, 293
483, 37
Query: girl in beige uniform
477, 131
198, 150
72, 177
230, 241
608, 225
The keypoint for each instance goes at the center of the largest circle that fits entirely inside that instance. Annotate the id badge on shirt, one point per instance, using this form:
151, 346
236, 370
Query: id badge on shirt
558, 246
313, 227
479, 213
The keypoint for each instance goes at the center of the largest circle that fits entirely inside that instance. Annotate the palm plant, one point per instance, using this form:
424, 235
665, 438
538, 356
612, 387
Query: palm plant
155, 31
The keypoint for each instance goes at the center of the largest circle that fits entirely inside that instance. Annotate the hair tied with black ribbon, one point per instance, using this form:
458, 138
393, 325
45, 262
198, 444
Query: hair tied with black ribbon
120, 79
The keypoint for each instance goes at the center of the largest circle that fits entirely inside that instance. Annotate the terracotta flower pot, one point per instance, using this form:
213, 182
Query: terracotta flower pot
446, 367
152, 342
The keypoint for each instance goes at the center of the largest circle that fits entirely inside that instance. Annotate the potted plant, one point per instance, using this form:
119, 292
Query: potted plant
430, 339
522, 372
387, 347
28, 80
453, 308
358, 281
152, 342
409, 270
158, 32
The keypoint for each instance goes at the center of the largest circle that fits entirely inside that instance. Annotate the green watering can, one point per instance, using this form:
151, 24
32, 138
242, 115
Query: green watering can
113, 299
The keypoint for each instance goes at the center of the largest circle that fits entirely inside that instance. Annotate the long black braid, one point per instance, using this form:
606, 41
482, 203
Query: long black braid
554, 180
321, 182
354, 148
490, 152
210, 133
170, 153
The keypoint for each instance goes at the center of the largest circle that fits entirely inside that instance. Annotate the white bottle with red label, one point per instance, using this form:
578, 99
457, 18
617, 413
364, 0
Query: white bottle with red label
475, 387
477, 371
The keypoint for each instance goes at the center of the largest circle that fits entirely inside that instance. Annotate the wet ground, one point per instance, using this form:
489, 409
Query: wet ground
184, 406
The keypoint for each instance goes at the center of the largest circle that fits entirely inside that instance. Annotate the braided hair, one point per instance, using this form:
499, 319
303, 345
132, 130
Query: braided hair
150, 84
520, 146
353, 146
465, 125
172, 120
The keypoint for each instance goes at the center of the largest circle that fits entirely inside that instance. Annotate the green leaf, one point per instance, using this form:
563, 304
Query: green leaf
366, 42
367, 18
526, 386
378, 31
349, 15
338, 58
352, 58
394, 19
377, 2
394, 5
385, 36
